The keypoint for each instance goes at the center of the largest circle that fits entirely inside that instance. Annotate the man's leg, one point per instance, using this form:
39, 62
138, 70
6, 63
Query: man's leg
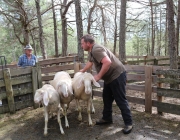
107, 100
119, 93
107, 110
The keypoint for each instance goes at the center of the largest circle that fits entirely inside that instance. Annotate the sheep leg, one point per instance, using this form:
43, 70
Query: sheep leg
59, 121
79, 109
89, 111
92, 106
46, 120
65, 114
76, 105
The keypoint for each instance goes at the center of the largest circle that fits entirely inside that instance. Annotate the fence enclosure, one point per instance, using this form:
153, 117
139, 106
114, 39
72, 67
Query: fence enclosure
17, 85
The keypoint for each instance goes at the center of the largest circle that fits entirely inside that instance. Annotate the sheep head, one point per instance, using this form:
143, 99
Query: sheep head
41, 96
64, 88
87, 80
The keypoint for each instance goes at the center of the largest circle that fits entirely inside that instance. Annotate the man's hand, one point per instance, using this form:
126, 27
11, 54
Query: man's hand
97, 78
82, 70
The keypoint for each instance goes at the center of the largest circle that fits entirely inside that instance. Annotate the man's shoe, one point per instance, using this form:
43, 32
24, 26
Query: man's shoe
102, 122
127, 129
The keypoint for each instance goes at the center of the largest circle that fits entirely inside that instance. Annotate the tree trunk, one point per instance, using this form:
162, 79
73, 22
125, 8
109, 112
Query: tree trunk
40, 29
171, 35
166, 36
115, 30
55, 30
122, 34
89, 17
79, 29
24, 22
152, 29
177, 28
103, 29
63, 11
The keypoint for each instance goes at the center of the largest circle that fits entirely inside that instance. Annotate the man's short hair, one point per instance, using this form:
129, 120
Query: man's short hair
88, 38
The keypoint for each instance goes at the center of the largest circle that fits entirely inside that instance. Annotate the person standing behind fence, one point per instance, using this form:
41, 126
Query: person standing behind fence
113, 72
27, 59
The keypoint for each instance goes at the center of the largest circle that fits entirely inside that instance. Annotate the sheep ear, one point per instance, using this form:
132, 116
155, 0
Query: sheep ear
45, 99
95, 83
80, 83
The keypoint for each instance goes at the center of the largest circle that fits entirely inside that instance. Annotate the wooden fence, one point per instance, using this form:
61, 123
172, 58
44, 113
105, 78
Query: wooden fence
18, 85
147, 79
15, 83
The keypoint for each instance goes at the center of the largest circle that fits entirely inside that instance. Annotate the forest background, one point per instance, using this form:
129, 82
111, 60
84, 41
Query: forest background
54, 27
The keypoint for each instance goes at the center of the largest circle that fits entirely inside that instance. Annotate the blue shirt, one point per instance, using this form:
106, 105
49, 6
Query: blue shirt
24, 61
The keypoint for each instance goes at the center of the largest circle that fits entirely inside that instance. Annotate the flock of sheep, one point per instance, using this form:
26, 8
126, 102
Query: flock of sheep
57, 96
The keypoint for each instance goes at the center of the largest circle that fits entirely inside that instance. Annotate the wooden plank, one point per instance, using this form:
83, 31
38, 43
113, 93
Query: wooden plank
34, 83
135, 68
129, 98
39, 77
136, 77
76, 67
169, 72
148, 89
4, 109
47, 77
135, 87
2, 84
17, 92
51, 77
58, 60
160, 98
169, 80
154, 89
22, 79
1, 74
23, 104
136, 100
168, 108
172, 93
154, 78
155, 68
9, 91
57, 68
21, 71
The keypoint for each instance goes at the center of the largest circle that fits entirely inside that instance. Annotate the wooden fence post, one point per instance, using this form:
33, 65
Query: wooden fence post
34, 83
39, 75
9, 90
155, 61
160, 98
76, 67
148, 89
145, 57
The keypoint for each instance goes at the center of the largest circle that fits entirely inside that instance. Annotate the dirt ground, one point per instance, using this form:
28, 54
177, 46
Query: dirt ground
28, 124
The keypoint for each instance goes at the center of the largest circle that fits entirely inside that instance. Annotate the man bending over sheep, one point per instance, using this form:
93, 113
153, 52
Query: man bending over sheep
113, 72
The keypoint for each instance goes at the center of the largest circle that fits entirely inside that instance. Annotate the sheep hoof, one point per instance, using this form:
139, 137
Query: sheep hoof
67, 126
62, 133
93, 112
45, 134
90, 124
79, 119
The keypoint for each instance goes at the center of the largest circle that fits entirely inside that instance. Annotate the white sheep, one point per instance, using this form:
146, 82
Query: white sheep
49, 97
82, 87
62, 82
